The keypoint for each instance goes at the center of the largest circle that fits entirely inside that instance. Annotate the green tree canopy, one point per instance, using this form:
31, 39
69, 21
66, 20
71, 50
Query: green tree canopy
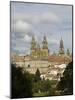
66, 82
21, 83
37, 75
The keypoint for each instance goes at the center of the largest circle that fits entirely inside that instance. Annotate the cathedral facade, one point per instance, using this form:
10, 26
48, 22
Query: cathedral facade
40, 58
38, 52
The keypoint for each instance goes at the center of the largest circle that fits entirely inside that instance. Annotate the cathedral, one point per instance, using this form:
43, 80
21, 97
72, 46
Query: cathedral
38, 52
50, 65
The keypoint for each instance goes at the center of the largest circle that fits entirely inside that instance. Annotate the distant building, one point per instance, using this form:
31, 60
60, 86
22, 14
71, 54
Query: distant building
50, 66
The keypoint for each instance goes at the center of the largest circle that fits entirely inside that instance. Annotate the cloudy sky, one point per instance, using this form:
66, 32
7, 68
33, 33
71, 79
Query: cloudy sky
53, 21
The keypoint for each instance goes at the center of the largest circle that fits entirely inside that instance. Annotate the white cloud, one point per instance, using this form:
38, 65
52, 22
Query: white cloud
21, 49
27, 38
21, 26
36, 18
53, 41
24, 25
49, 18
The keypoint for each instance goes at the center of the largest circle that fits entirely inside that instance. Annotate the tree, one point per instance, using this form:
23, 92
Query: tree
21, 83
36, 87
66, 82
47, 87
37, 76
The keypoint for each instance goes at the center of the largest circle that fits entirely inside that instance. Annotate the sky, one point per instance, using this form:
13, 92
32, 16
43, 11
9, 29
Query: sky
28, 19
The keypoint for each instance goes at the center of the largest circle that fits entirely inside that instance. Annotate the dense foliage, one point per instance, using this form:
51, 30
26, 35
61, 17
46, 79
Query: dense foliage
37, 76
21, 83
24, 84
66, 83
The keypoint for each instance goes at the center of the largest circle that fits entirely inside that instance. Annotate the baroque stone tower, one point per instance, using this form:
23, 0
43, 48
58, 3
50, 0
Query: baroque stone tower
37, 51
33, 47
61, 48
45, 50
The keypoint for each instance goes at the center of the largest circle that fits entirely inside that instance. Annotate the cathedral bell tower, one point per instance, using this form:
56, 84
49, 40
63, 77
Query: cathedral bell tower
61, 48
45, 44
45, 49
33, 47
38, 51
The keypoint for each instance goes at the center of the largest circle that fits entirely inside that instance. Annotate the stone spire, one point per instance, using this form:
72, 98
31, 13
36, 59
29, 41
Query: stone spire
33, 43
61, 44
61, 51
45, 43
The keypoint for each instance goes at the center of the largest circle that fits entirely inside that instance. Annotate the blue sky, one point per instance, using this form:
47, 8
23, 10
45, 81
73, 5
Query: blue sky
27, 19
